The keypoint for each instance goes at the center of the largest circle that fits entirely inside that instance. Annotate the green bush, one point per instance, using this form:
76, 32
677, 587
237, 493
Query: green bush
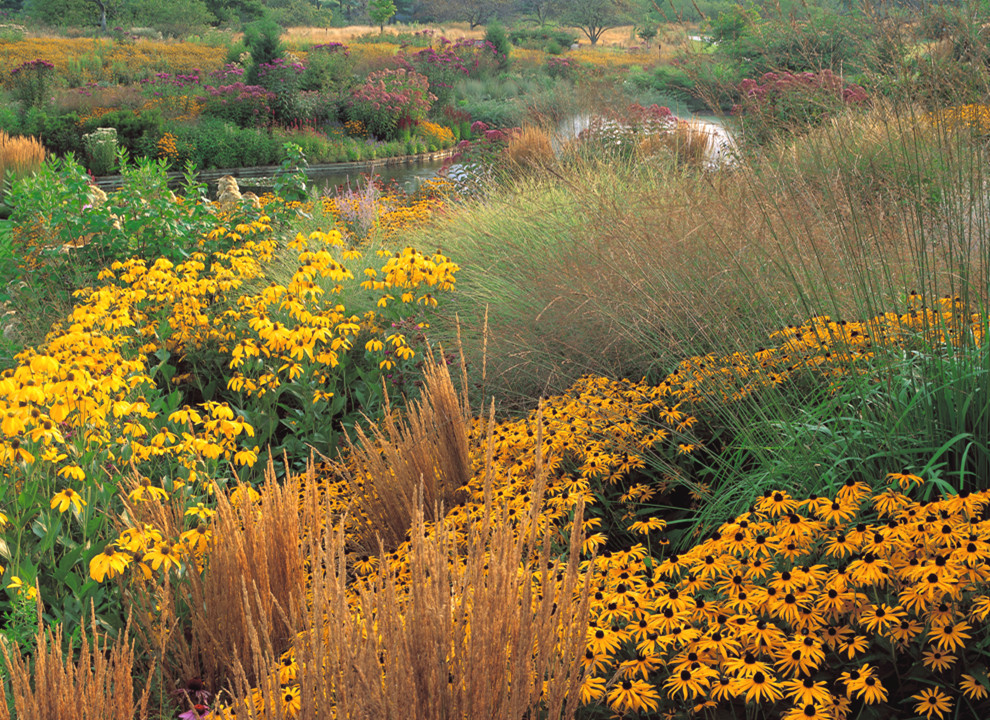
220, 144
10, 119
329, 69
137, 132
262, 38
537, 38
176, 18
496, 35
59, 133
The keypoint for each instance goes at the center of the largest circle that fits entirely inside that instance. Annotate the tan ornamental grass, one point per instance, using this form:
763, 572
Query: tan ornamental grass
530, 147
426, 451
57, 682
257, 552
487, 620
19, 156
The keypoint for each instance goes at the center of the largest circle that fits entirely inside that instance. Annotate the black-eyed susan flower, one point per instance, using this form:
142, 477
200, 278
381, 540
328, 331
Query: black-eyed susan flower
108, 563
972, 688
632, 696
64, 499
936, 659
932, 701
758, 687
871, 691
689, 683
950, 637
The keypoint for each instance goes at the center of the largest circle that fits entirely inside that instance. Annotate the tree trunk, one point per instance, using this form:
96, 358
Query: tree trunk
103, 16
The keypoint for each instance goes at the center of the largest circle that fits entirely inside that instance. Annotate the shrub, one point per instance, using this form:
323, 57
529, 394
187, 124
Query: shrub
541, 38
222, 144
785, 102
59, 133
282, 79
561, 67
329, 68
390, 101
101, 150
137, 131
495, 36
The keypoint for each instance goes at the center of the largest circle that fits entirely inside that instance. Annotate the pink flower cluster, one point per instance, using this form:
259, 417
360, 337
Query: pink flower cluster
228, 71
333, 47
178, 80
33, 66
390, 99
560, 66
823, 83
278, 66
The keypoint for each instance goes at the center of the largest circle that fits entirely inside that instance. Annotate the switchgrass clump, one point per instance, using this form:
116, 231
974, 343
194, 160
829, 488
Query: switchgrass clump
19, 156
621, 266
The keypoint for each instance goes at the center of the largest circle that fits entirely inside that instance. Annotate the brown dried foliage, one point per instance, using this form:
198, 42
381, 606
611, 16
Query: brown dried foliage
54, 685
427, 451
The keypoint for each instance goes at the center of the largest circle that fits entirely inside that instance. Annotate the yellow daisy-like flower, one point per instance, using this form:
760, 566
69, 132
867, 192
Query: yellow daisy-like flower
291, 701
67, 498
633, 695
932, 701
644, 527
108, 563
22, 589
905, 480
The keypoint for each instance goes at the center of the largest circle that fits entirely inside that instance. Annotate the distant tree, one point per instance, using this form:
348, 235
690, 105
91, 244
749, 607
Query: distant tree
540, 11
73, 12
346, 10
473, 12
178, 18
380, 12
105, 7
235, 10
594, 17
263, 40
58, 12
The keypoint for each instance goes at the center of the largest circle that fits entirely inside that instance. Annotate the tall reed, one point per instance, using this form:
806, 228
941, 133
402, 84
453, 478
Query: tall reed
197, 626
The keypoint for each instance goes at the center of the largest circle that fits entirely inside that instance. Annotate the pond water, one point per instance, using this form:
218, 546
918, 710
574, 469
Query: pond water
410, 176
